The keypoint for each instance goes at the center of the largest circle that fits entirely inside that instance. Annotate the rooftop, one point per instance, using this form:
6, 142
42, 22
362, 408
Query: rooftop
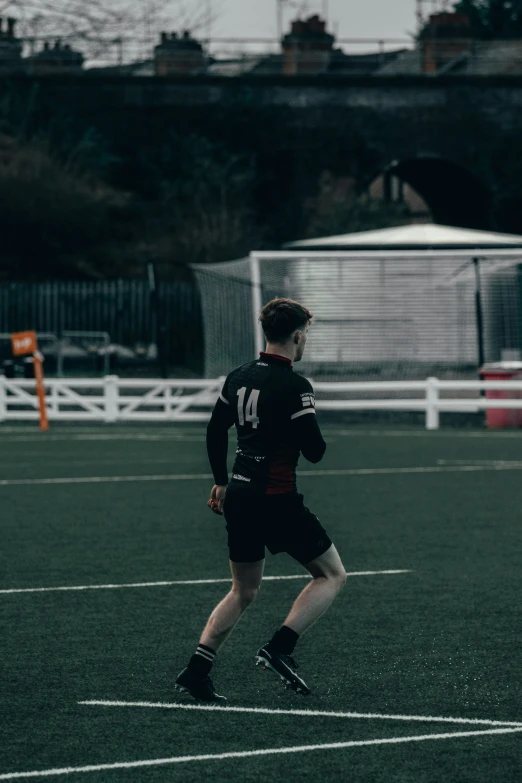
445, 46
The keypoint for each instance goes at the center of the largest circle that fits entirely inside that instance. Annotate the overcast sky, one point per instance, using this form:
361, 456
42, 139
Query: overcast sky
347, 18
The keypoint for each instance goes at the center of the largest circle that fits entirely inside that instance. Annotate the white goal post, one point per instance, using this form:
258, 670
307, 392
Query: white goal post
378, 315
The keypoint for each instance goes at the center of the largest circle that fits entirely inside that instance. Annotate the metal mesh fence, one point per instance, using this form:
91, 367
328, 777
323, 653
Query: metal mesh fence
227, 310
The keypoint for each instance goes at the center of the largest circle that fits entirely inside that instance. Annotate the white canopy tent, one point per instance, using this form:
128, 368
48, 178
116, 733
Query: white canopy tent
467, 246
422, 236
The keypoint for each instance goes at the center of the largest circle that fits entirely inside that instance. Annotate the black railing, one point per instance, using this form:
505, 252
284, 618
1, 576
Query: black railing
124, 309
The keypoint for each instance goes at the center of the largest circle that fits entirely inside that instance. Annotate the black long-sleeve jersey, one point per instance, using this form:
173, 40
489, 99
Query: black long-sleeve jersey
274, 412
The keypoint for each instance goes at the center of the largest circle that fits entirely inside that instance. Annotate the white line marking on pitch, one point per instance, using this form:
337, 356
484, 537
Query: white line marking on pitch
249, 753
101, 437
17, 434
428, 469
208, 476
179, 582
59, 463
514, 462
106, 479
304, 713
423, 433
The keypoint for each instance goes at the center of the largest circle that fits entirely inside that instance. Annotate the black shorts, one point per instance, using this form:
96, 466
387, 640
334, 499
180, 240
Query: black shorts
282, 523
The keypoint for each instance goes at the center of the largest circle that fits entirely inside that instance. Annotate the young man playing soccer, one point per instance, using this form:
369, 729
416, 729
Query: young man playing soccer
274, 412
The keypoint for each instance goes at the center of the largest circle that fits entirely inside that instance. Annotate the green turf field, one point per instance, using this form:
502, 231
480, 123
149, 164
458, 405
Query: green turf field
439, 641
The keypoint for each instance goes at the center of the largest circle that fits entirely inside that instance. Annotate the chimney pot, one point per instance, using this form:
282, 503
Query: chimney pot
445, 37
46, 46
315, 24
308, 48
185, 55
1, 24
164, 37
11, 23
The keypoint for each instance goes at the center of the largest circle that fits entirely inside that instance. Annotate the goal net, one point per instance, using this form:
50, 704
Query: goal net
375, 318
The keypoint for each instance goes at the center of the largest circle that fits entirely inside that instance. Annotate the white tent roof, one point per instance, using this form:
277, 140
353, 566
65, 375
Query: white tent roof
425, 235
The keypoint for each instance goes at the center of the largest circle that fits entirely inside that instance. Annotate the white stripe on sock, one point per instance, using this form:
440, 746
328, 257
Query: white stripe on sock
206, 650
205, 654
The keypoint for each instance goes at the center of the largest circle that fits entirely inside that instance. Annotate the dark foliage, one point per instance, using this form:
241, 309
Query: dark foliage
493, 18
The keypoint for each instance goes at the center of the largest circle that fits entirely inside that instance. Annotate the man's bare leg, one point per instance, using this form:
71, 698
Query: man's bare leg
329, 578
246, 580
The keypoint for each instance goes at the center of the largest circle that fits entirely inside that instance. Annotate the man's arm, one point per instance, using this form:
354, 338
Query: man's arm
308, 438
303, 423
217, 438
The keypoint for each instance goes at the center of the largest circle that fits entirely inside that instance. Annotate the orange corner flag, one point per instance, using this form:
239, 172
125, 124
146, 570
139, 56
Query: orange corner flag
24, 344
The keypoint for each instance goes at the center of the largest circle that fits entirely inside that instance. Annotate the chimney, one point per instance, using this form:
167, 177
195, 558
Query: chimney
57, 58
307, 48
445, 37
178, 55
11, 48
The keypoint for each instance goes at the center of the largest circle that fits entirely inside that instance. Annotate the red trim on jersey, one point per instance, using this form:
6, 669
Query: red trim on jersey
281, 474
276, 357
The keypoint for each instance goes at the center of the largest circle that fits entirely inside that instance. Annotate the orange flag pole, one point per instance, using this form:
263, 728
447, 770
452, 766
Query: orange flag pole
40, 390
24, 344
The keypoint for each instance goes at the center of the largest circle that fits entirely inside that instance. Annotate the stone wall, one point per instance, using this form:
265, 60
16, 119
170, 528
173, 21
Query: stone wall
298, 129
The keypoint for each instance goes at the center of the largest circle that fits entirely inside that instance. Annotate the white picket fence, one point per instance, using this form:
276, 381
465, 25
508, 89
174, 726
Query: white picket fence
112, 399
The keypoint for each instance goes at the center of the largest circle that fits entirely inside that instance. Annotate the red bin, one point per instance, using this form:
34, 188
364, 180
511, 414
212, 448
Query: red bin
502, 418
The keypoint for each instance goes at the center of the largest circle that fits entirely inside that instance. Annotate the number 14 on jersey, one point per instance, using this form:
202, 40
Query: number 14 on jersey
248, 412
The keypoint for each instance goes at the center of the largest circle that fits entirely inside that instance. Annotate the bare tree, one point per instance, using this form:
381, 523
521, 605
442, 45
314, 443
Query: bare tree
97, 26
199, 17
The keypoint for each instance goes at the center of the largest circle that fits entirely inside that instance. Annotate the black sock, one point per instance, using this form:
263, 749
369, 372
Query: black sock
201, 662
284, 641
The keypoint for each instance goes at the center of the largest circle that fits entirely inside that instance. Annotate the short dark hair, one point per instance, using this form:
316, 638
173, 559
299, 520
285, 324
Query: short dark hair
281, 317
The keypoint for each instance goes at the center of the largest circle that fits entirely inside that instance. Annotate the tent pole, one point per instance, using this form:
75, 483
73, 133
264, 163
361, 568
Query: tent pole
479, 312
